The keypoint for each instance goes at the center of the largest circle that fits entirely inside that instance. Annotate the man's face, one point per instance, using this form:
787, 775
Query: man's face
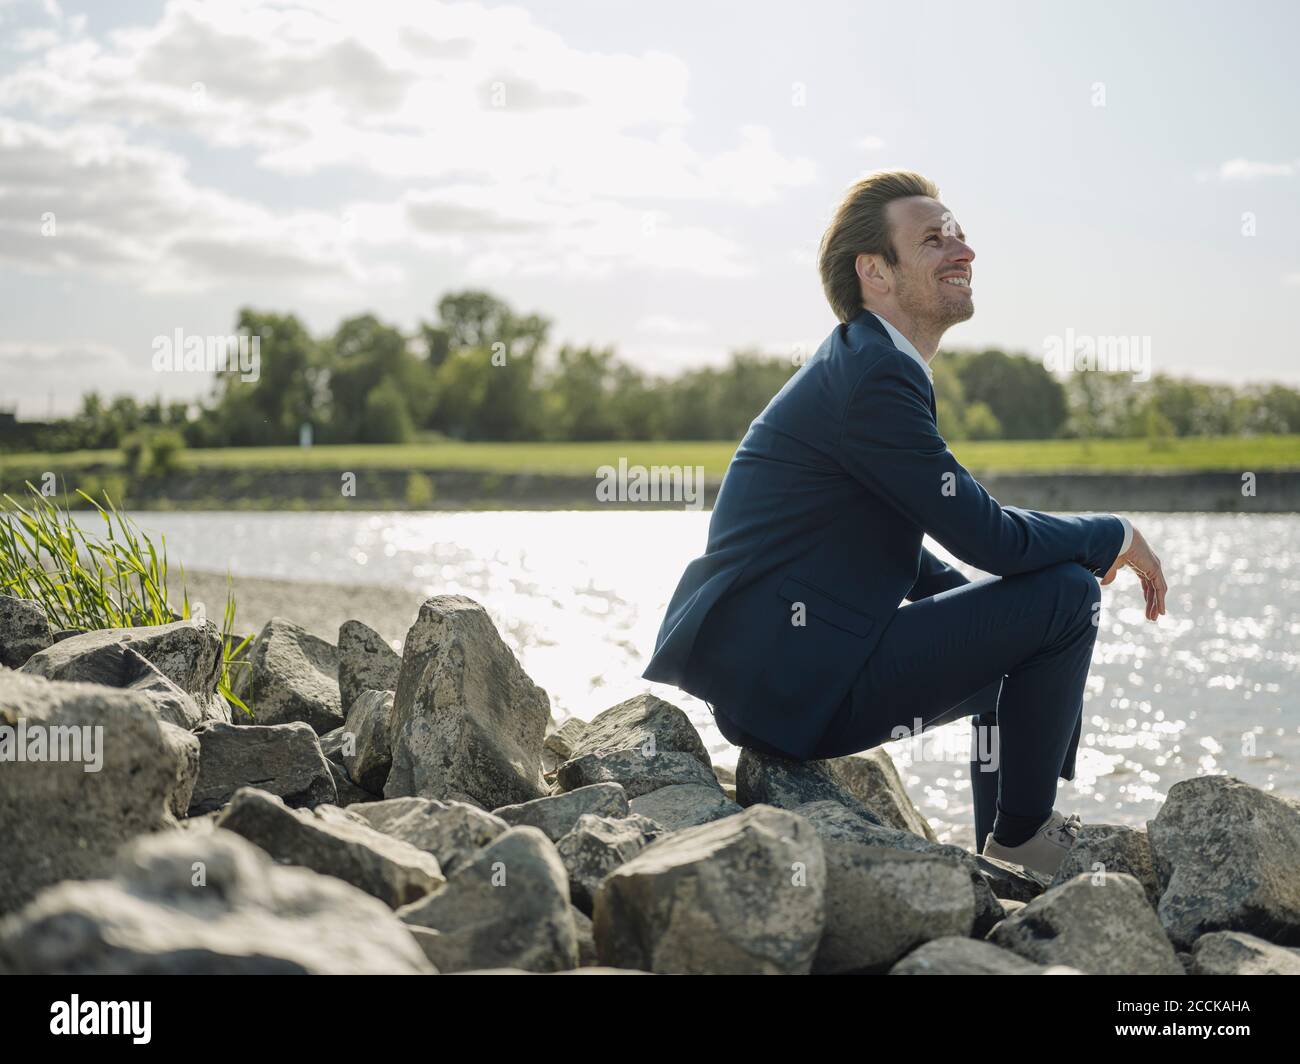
932, 280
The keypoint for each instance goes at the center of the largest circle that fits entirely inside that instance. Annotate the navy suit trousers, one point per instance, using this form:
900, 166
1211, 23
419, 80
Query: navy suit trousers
1010, 652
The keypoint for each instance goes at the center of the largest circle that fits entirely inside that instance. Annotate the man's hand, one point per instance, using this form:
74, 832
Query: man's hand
1143, 561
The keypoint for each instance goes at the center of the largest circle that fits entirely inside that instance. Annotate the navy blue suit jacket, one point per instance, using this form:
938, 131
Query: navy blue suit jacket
825, 503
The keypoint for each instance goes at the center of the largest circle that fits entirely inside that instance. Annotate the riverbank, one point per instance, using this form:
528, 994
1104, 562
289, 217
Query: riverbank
1217, 475
1163, 491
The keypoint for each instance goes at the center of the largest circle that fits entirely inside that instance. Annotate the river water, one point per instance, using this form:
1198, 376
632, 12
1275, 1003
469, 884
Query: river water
1212, 688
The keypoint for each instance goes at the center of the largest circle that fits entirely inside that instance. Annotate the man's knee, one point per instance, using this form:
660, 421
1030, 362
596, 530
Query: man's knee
1080, 591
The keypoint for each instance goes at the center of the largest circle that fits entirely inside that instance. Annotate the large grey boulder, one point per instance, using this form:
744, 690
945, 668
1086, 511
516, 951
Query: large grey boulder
684, 805
506, 908
281, 759
183, 903
1235, 953
637, 772
833, 821
170, 703
349, 793
24, 630
467, 721
366, 663
1101, 925
1013, 882
292, 675
122, 772
743, 895
452, 831
335, 843
187, 653
558, 745
970, 956
644, 723
596, 846
881, 903
1111, 848
556, 814
873, 779
786, 784
370, 757
1227, 858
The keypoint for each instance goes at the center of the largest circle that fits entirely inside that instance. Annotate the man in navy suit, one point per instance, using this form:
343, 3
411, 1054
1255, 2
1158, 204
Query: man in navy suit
790, 624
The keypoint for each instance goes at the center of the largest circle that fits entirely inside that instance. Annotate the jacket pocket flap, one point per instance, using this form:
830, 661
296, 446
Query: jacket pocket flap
822, 605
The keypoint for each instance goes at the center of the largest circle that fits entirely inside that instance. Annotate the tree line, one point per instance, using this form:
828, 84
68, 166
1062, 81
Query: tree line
483, 372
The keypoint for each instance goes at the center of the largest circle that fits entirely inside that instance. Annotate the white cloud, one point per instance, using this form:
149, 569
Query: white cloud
85, 198
514, 150
1248, 170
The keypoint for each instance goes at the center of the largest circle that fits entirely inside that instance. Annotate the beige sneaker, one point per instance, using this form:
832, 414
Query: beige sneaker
1044, 851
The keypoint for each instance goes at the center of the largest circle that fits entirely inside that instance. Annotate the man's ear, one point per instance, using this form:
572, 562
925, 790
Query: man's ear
870, 270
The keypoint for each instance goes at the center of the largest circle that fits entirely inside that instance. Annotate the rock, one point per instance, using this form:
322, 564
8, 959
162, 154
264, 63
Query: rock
969, 956
586, 938
1227, 858
508, 907
24, 630
188, 653
371, 757
873, 779
292, 676
595, 847
881, 903
556, 815
789, 784
334, 843
557, 747
246, 916
334, 742
1235, 953
725, 776
281, 759
684, 805
60, 821
637, 773
1111, 848
1101, 927
349, 793
1011, 882
452, 831
170, 703
833, 821
644, 723
467, 721
366, 663
741, 895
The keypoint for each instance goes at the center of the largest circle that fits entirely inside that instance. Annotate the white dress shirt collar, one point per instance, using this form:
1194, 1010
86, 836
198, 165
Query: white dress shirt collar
905, 345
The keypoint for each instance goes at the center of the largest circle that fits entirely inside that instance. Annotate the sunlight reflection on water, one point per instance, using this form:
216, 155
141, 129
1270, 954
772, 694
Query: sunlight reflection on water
579, 597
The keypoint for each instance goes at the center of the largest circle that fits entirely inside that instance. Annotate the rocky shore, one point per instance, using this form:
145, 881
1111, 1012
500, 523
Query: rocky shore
423, 813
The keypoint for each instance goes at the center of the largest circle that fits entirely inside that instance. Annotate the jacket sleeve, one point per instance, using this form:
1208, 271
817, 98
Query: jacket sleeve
934, 576
889, 443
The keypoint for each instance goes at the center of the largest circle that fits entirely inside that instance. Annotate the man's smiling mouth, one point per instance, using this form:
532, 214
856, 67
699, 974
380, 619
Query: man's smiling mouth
960, 282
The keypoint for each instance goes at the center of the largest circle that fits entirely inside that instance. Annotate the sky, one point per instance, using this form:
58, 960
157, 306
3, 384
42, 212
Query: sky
652, 178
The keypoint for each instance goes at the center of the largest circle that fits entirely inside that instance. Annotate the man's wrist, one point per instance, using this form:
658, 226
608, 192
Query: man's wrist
1128, 535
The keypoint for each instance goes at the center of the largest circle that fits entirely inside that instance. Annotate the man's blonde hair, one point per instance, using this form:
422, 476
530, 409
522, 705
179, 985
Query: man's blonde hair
861, 228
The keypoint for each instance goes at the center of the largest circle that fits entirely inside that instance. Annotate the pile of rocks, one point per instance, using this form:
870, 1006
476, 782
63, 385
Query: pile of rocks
422, 813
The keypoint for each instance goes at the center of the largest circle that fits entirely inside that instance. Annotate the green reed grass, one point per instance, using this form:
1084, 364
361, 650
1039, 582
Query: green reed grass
117, 580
